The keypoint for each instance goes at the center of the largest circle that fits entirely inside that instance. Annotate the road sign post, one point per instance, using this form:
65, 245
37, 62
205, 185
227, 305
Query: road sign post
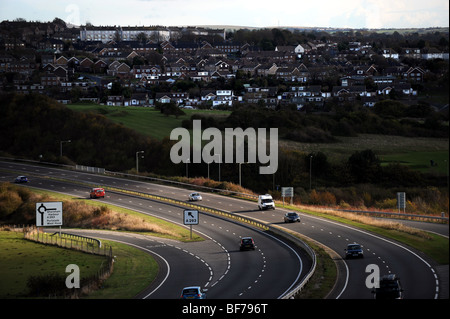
49, 214
287, 192
190, 217
401, 201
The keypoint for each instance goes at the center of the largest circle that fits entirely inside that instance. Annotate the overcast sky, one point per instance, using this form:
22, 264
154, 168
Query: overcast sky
252, 13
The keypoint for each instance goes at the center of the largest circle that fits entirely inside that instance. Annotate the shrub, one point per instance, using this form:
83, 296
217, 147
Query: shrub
51, 284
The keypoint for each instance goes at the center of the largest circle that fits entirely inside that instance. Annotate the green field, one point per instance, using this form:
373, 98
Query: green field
21, 259
133, 268
145, 120
421, 161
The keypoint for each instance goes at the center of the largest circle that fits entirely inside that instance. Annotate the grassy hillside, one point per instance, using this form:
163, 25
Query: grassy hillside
147, 121
415, 152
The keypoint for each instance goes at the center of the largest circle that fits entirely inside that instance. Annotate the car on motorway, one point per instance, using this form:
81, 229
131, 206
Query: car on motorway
247, 243
389, 288
291, 217
21, 179
265, 202
193, 292
195, 197
354, 251
97, 192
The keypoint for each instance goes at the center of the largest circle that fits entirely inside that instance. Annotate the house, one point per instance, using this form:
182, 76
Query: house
349, 93
137, 99
207, 95
404, 89
139, 71
302, 95
50, 79
414, 74
86, 65
298, 50
115, 100
118, 69
175, 97
51, 45
100, 66
369, 101
250, 67
256, 95
293, 73
389, 53
433, 53
267, 69
62, 60
413, 53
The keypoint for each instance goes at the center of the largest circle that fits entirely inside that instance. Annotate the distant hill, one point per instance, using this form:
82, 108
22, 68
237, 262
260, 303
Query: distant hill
328, 29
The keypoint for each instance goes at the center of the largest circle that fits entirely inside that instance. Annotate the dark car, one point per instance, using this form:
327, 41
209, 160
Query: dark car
291, 217
354, 251
193, 292
390, 288
21, 179
247, 243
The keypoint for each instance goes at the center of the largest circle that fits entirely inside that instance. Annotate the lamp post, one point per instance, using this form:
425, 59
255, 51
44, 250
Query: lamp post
137, 160
187, 161
310, 170
220, 160
208, 168
61, 147
240, 184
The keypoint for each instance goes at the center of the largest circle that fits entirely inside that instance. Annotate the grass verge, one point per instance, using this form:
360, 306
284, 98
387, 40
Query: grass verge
133, 269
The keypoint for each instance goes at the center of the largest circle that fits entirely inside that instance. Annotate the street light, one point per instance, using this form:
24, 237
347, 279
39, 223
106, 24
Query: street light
137, 160
187, 161
310, 165
220, 160
208, 168
60, 146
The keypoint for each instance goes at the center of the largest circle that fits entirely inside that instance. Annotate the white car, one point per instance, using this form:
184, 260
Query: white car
195, 197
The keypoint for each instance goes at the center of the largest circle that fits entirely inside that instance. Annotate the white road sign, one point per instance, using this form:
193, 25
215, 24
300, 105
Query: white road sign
287, 191
190, 217
49, 214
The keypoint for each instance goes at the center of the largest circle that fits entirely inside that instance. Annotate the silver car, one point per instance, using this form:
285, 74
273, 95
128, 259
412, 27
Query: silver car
195, 197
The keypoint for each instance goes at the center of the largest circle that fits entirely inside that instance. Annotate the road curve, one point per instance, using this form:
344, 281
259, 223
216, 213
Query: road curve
216, 263
418, 273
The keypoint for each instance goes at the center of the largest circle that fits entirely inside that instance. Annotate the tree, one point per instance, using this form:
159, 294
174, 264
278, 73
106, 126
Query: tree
364, 166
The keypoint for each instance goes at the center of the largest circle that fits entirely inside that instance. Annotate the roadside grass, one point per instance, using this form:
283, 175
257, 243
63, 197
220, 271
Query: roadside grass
133, 269
323, 279
21, 259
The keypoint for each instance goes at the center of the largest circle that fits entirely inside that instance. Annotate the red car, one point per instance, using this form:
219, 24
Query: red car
97, 192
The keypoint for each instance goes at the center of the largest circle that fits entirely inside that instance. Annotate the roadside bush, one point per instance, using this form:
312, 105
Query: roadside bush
48, 285
322, 198
10, 201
